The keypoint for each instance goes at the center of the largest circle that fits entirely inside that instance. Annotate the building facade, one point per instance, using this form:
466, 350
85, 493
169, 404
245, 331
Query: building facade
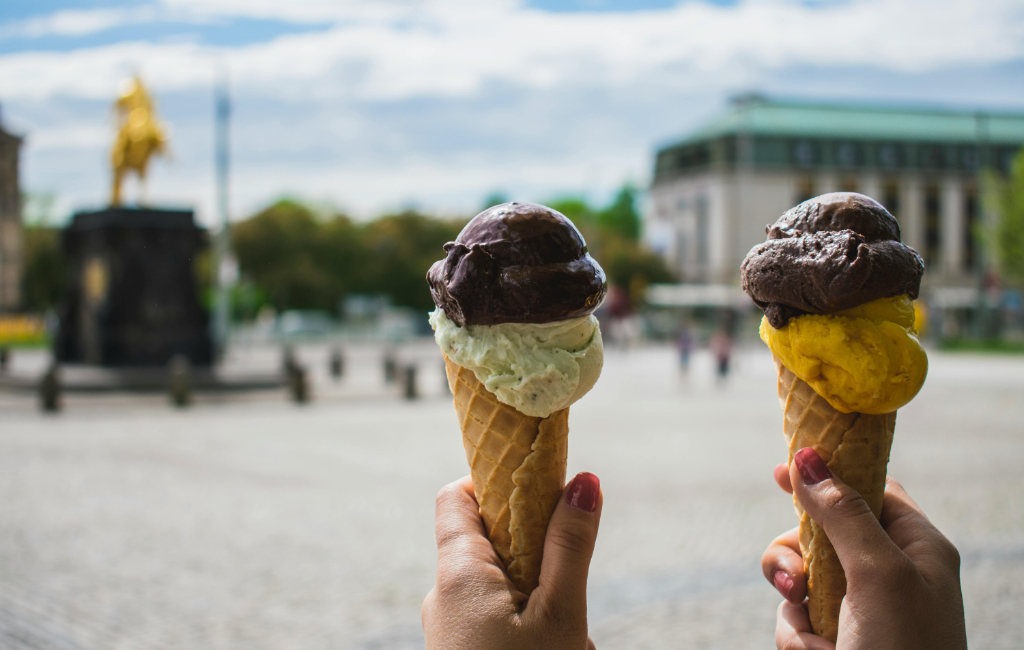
714, 192
10, 222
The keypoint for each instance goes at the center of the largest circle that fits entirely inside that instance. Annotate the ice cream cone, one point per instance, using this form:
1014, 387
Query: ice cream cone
856, 448
518, 468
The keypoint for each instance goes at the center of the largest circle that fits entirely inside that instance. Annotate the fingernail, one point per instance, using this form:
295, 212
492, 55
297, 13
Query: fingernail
583, 491
783, 583
811, 467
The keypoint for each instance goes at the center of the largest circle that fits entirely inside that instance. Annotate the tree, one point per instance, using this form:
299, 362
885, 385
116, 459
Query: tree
401, 248
280, 249
298, 261
1006, 241
494, 198
621, 216
612, 236
42, 280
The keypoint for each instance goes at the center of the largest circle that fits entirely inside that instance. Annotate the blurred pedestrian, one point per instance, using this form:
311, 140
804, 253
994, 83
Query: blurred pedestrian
685, 347
721, 349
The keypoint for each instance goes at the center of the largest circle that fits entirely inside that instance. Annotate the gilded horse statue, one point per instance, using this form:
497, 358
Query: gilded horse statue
139, 136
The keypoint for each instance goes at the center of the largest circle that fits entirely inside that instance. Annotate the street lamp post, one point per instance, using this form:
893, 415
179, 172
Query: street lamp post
222, 243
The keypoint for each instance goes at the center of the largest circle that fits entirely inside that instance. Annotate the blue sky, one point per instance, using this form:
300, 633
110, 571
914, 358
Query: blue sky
376, 105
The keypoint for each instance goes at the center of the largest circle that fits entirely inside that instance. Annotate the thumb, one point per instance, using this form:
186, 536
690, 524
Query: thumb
862, 545
568, 547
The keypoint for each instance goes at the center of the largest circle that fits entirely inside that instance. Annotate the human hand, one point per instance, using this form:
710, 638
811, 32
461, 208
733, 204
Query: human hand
474, 605
903, 575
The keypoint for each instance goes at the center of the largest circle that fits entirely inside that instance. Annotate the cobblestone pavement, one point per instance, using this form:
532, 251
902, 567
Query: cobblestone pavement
253, 523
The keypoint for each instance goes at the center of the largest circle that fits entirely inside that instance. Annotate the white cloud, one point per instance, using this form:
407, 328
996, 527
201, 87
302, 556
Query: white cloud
394, 50
360, 112
75, 22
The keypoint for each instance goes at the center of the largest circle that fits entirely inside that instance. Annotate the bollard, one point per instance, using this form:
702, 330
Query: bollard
288, 358
5, 356
409, 379
298, 386
49, 390
179, 384
390, 367
337, 364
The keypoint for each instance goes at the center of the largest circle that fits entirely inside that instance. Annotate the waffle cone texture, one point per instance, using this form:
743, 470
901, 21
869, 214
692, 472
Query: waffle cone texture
855, 446
518, 468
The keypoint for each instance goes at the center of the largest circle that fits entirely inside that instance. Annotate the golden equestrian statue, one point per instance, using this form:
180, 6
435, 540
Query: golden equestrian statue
139, 136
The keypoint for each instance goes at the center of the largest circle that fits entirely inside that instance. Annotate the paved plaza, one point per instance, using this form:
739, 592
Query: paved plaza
253, 523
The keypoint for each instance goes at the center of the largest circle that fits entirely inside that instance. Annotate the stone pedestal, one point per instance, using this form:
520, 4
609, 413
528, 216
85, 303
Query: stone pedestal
132, 297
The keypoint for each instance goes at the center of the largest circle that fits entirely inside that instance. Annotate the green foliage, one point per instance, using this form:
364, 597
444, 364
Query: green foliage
612, 236
297, 261
1006, 242
621, 216
578, 210
294, 258
493, 199
401, 249
43, 278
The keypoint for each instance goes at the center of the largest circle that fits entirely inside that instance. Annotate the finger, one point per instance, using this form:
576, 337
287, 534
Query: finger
568, 547
782, 477
898, 506
862, 546
912, 531
783, 566
456, 515
590, 644
793, 630
468, 567
459, 530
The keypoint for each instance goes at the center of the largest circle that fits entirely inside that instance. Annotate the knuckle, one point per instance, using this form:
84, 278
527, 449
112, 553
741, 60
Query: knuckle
572, 539
450, 586
846, 503
444, 496
429, 603
950, 553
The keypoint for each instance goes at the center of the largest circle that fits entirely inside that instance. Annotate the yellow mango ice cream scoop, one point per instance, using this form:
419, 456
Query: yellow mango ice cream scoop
867, 359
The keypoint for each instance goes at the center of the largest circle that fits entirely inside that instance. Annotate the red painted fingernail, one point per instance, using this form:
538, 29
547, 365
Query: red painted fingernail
583, 491
811, 467
783, 583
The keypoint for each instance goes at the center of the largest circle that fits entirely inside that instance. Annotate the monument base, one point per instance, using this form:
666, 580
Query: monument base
131, 297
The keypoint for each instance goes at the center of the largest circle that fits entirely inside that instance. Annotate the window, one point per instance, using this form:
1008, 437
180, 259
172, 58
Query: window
848, 154
804, 189
889, 156
805, 153
931, 157
969, 158
970, 228
932, 224
848, 184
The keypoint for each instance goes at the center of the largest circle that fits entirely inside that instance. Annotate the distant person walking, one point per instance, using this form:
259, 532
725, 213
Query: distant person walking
721, 348
685, 346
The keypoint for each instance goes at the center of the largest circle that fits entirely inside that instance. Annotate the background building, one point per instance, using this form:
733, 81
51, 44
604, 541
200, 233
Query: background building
714, 192
10, 222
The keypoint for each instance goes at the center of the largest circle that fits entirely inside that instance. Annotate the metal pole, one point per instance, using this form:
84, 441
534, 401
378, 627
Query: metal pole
222, 243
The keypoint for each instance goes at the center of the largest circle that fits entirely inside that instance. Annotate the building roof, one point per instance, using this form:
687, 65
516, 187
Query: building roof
764, 117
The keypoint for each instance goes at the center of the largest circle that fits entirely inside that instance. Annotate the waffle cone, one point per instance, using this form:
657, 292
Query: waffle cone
856, 448
518, 467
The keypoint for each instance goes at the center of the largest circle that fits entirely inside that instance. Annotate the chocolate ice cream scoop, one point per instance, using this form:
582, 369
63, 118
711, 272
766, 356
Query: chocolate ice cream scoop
517, 263
830, 253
